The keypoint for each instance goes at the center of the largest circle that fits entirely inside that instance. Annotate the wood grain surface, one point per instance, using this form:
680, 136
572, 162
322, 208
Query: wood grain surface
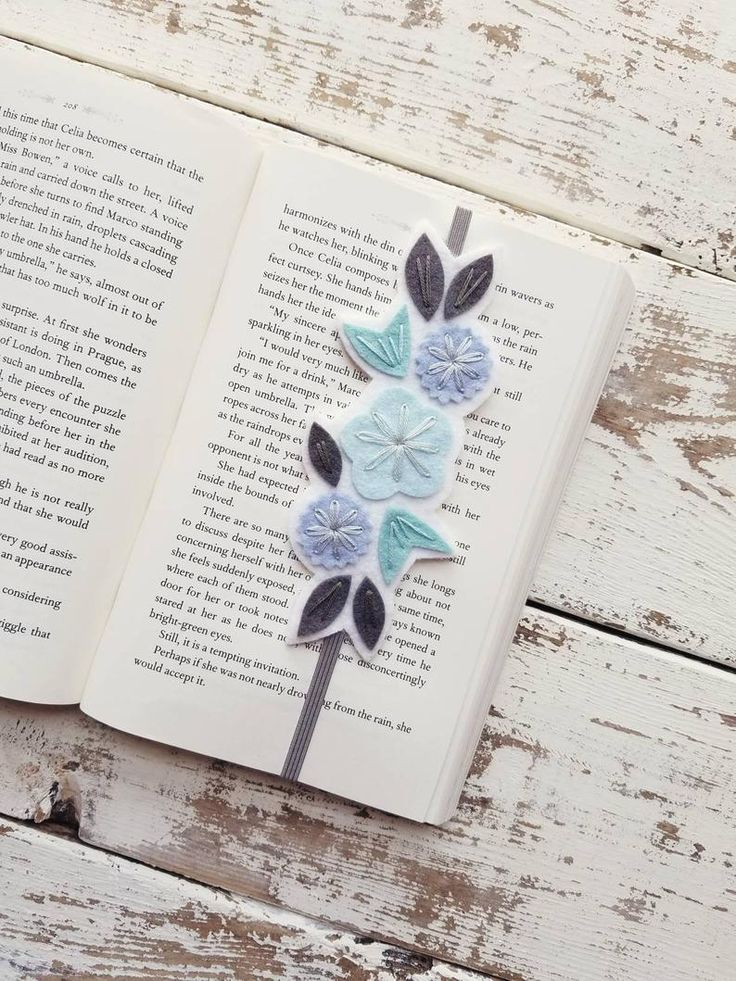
594, 839
83, 915
616, 116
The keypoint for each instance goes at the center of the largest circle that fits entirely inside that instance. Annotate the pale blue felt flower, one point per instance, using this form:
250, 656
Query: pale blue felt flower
334, 531
453, 364
399, 447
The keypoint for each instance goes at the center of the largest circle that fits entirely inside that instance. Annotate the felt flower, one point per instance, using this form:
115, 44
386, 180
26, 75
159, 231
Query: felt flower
334, 531
399, 447
453, 364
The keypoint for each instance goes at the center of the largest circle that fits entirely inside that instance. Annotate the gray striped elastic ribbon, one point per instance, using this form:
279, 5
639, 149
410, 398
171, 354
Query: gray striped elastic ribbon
330, 650
302, 737
458, 230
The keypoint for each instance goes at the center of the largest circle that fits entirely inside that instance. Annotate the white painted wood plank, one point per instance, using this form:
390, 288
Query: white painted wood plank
616, 116
594, 839
69, 911
645, 539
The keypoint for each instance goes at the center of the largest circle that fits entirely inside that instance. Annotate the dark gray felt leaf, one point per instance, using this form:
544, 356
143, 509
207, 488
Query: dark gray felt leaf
324, 454
324, 605
369, 613
469, 286
425, 277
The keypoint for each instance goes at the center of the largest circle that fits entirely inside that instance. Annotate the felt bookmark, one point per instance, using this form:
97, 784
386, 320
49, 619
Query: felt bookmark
382, 472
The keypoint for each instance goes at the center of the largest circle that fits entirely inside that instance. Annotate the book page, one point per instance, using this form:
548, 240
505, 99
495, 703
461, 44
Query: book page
194, 653
118, 207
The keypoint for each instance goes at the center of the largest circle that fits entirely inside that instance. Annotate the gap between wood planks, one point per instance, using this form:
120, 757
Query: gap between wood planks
62, 824
612, 630
450, 179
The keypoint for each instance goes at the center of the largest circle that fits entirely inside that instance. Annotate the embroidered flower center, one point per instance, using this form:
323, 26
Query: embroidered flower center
334, 528
454, 362
453, 365
400, 444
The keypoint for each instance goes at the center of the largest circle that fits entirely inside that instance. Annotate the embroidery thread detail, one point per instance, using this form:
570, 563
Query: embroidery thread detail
334, 531
369, 613
389, 350
324, 454
399, 447
453, 365
324, 605
469, 286
425, 277
401, 531
399, 444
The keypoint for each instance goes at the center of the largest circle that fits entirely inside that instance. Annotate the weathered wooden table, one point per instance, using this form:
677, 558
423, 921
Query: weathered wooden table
596, 834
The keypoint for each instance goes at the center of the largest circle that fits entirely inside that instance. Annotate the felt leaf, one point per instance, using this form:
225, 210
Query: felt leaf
385, 350
425, 277
469, 286
324, 605
324, 454
369, 613
401, 531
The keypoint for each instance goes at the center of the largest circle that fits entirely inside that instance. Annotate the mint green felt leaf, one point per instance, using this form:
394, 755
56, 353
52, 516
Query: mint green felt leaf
401, 531
385, 350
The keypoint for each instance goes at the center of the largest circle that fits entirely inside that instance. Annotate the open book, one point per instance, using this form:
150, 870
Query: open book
170, 290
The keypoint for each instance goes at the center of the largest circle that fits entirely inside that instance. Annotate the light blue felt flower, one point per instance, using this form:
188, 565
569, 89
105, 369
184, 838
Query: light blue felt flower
399, 447
334, 531
453, 364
